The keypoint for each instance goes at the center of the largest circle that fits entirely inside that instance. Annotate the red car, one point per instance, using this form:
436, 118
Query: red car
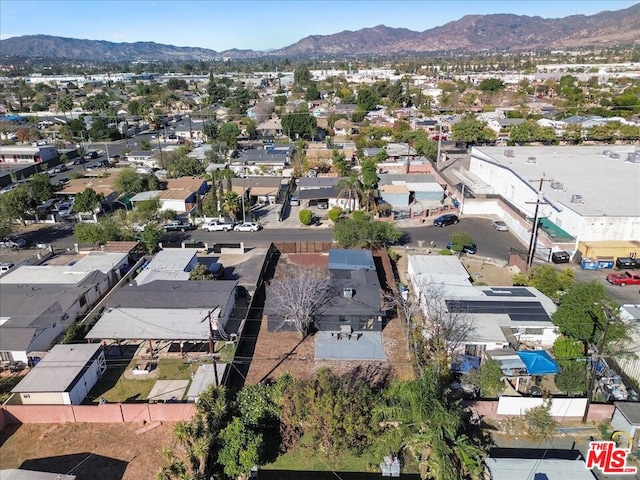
622, 279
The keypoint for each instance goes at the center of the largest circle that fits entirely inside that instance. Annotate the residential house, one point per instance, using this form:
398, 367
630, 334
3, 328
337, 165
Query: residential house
169, 311
312, 189
262, 161
502, 316
170, 264
64, 377
38, 303
148, 158
349, 324
103, 185
260, 189
537, 464
28, 154
401, 190
273, 126
344, 127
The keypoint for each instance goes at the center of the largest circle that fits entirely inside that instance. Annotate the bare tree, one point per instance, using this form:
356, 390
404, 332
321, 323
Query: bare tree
445, 332
299, 295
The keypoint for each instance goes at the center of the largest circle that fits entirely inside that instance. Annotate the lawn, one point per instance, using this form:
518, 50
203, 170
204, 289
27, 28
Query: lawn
114, 387
316, 465
6, 384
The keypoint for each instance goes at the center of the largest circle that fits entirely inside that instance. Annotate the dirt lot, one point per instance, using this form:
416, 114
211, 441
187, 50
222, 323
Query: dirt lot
89, 451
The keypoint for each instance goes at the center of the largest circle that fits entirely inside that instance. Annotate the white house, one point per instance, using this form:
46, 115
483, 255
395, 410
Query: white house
38, 303
64, 377
502, 316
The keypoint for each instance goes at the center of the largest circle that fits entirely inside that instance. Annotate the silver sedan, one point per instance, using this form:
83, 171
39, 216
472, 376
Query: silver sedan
500, 226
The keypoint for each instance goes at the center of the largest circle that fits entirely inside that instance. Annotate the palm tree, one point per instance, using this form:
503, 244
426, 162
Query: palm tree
350, 187
421, 420
231, 203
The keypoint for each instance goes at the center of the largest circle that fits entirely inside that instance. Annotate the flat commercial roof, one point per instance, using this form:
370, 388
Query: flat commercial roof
58, 370
608, 186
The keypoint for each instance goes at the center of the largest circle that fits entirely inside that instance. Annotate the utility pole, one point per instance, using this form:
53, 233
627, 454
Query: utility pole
534, 230
597, 356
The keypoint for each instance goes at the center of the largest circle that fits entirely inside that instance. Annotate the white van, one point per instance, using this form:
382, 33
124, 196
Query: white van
5, 267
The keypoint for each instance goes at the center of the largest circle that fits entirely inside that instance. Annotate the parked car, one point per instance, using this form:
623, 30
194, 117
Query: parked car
13, 242
626, 262
178, 226
295, 202
65, 208
63, 181
623, 279
59, 168
5, 267
470, 249
446, 219
500, 226
323, 205
217, 227
247, 227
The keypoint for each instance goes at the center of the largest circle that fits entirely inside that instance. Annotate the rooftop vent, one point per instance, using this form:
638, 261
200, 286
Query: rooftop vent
531, 159
606, 153
509, 153
577, 199
557, 186
347, 292
614, 155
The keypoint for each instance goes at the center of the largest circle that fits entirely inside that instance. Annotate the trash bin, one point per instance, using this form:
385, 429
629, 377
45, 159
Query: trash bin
560, 257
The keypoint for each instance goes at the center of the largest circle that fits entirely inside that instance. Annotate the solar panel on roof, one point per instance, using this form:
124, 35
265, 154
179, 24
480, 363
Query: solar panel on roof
508, 292
517, 311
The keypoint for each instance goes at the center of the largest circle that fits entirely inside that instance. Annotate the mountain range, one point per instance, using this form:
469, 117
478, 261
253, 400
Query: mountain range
472, 33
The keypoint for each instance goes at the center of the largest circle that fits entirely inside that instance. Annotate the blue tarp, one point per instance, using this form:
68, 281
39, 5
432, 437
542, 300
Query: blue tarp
465, 363
538, 362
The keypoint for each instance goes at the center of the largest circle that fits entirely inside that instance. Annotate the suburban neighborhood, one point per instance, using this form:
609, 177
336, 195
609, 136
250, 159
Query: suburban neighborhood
297, 267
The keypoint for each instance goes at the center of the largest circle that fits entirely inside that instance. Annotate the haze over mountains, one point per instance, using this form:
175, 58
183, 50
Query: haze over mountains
472, 33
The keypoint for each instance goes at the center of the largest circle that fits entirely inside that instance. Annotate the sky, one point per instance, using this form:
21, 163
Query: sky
258, 25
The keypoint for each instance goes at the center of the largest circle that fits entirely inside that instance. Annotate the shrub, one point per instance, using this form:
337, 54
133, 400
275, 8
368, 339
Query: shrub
360, 215
334, 214
305, 216
445, 251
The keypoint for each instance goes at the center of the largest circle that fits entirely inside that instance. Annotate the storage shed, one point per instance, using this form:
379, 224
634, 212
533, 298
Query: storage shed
626, 418
64, 376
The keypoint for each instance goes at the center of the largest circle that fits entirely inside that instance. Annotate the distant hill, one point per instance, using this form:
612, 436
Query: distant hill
472, 33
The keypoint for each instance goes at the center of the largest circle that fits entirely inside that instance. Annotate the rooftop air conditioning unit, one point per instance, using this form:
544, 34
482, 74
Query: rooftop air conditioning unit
614, 155
557, 186
347, 292
531, 159
509, 153
577, 199
607, 153
633, 157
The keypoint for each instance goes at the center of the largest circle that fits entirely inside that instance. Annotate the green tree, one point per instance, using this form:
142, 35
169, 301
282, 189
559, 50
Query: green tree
489, 378
420, 419
305, 216
312, 92
580, 314
17, 203
470, 131
299, 125
339, 163
146, 210
150, 237
106, 230
41, 188
350, 188
334, 214
573, 377
301, 75
459, 240
210, 204
87, 201
186, 167
128, 181
539, 423
365, 233
547, 279
367, 99
200, 272
491, 85
229, 133
241, 448
566, 348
